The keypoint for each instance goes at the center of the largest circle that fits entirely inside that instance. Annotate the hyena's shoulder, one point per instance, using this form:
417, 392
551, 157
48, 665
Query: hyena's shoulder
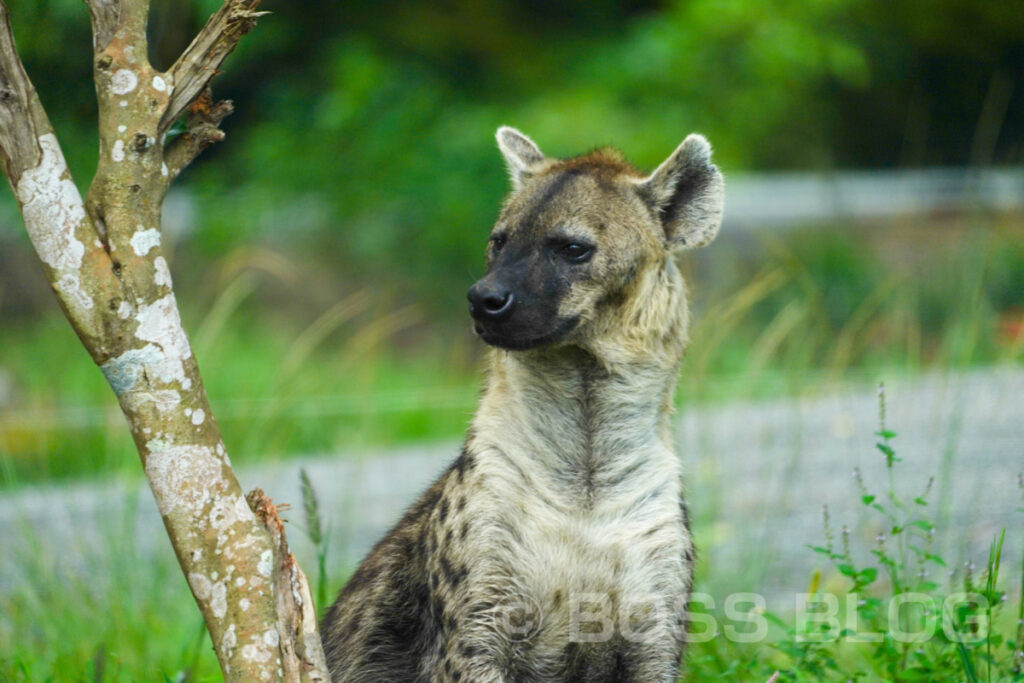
383, 623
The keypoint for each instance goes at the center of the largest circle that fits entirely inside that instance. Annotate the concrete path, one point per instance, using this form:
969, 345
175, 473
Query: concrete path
758, 474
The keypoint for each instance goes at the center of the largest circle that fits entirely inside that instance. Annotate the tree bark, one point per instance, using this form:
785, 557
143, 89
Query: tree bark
104, 261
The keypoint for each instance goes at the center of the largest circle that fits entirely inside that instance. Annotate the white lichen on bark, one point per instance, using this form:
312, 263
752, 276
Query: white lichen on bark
162, 276
144, 240
124, 80
53, 211
160, 323
266, 564
183, 477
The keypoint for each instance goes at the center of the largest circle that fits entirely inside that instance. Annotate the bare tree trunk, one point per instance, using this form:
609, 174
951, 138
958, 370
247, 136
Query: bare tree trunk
104, 260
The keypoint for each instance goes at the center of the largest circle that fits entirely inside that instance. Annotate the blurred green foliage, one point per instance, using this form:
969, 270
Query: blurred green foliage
364, 129
361, 159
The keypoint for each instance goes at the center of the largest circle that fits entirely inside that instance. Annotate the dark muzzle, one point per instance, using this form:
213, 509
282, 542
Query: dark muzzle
490, 301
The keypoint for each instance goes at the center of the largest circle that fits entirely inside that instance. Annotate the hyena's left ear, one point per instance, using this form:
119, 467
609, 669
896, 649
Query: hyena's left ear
687, 193
522, 155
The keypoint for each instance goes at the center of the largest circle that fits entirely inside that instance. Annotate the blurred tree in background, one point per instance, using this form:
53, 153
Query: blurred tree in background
364, 129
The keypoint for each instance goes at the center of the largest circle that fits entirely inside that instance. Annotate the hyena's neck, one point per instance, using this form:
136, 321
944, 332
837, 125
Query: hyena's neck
593, 424
574, 427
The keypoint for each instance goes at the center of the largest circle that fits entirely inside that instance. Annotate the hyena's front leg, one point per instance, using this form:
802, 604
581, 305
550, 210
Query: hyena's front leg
463, 671
469, 655
651, 664
650, 639
483, 636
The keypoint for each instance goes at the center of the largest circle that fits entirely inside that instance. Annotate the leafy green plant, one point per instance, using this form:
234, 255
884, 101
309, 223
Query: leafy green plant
893, 619
942, 630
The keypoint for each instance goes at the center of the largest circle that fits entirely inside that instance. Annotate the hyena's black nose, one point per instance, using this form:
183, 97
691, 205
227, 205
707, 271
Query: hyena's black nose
489, 300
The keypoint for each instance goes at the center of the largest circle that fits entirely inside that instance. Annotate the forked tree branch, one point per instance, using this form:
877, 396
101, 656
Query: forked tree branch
19, 109
104, 259
198, 65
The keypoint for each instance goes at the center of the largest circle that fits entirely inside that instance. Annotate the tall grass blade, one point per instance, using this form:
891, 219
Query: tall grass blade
995, 554
321, 328
99, 664
845, 345
965, 662
373, 333
192, 672
314, 529
224, 306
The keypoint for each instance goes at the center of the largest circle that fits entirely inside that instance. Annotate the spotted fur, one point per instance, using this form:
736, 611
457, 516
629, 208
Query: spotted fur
557, 546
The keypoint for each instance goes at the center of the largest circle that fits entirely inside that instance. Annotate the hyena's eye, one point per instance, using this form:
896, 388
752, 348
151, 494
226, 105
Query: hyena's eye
576, 252
497, 242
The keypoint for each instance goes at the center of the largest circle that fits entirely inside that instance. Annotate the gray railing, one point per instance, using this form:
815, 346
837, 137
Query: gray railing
758, 200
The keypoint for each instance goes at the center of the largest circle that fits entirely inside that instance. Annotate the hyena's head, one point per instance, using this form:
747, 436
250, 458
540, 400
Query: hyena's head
583, 247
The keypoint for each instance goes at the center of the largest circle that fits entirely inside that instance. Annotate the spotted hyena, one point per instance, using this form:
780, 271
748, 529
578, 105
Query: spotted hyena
557, 546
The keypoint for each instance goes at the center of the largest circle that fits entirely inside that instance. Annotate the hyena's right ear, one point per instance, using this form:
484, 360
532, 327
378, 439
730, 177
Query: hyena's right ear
687, 193
522, 155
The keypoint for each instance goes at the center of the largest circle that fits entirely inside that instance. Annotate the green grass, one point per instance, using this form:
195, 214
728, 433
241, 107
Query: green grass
131, 619
969, 626
953, 646
134, 619
67, 423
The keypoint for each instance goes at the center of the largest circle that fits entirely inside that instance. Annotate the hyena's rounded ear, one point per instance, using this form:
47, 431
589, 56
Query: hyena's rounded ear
522, 155
687, 193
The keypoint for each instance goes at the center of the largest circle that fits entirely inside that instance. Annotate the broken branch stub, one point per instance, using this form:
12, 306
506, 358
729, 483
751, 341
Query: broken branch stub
294, 600
199, 62
105, 262
203, 130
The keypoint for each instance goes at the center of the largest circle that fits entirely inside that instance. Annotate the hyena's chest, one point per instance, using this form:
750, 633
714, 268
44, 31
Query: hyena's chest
584, 586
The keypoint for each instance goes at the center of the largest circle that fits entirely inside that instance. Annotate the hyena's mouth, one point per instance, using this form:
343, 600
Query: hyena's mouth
503, 339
